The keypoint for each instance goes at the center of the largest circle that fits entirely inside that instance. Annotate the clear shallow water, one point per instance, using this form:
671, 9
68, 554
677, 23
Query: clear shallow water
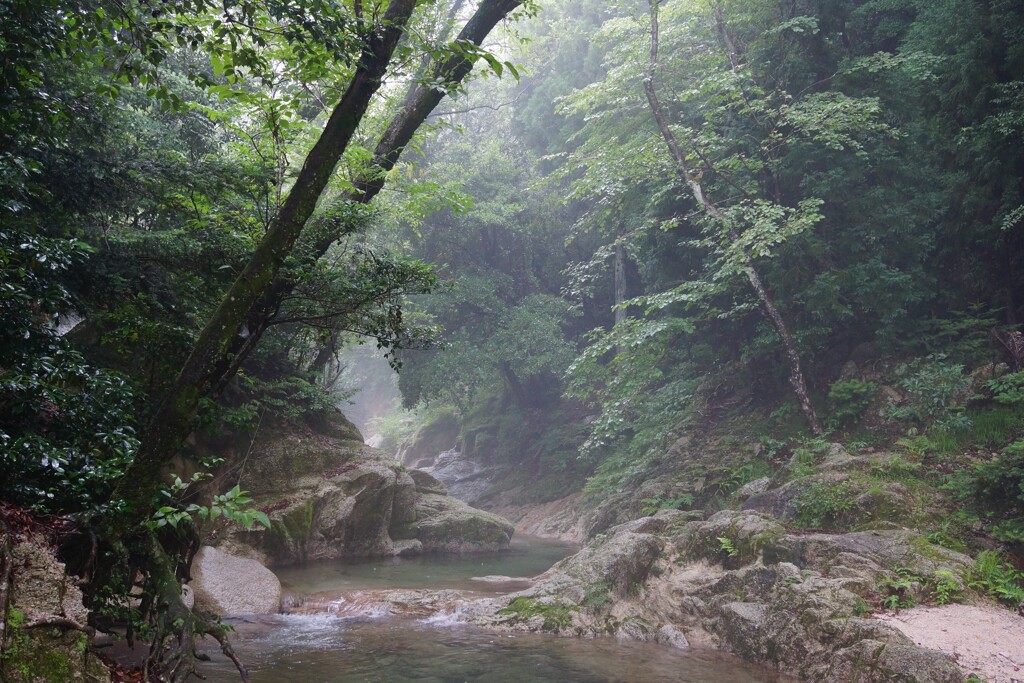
526, 556
326, 649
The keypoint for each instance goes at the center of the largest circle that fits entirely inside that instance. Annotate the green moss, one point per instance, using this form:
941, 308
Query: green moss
925, 549
823, 504
292, 528
597, 597
298, 522
50, 655
557, 615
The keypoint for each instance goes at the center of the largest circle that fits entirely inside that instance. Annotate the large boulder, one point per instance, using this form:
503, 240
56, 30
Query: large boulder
738, 581
328, 495
446, 524
427, 483
225, 584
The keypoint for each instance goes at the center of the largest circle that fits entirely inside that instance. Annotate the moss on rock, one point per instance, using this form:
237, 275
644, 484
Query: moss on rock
551, 614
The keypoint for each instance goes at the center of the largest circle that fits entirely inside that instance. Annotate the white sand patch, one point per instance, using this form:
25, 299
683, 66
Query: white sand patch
985, 640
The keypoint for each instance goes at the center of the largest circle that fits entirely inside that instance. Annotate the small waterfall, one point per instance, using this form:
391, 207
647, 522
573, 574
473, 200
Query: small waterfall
447, 617
349, 604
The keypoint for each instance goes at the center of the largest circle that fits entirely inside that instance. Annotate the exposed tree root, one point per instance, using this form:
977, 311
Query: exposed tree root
172, 650
149, 571
62, 623
6, 578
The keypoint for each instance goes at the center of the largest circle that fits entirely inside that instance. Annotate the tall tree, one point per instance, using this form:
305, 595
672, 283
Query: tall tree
255, 296
692, 178
257, 291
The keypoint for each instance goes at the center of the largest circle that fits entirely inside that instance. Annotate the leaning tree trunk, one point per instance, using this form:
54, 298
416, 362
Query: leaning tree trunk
173, 419
419, 102
254, 297
796, 376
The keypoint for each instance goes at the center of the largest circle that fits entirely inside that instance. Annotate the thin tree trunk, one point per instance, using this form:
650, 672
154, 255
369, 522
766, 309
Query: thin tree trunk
620, 282
796, 376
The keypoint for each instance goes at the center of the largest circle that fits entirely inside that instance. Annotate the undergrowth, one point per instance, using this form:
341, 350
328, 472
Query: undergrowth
996, 577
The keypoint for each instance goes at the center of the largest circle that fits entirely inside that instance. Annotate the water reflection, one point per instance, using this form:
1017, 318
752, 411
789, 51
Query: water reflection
326, 648
525, 557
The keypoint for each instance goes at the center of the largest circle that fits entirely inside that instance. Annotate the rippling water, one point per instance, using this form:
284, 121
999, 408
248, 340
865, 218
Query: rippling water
326, 649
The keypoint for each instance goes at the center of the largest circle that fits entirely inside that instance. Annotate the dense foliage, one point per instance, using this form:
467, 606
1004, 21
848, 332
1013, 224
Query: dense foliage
606, 242
863, 158
184, 192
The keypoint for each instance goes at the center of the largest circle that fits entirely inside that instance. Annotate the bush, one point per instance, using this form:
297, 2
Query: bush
1008, 389
848, 399
935, 392
999, 486
821, 504
998, 578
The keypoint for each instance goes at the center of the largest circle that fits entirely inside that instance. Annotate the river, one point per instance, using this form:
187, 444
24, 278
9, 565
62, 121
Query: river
345, 646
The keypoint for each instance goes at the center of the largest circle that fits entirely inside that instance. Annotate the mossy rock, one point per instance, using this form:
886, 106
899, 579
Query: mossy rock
42, 588
49, 655
732, 538
543, 613
335, 425
444, 524
618, 562
329, 496
427, 483
290, 531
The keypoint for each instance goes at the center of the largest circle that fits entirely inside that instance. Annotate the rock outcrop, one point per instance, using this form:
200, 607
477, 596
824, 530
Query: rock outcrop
329, 495
737, 580
446, 524
436, 436
45, 636
467, 478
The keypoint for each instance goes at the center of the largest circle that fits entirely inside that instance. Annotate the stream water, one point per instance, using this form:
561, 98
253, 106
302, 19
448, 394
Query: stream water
328, 648
526, 556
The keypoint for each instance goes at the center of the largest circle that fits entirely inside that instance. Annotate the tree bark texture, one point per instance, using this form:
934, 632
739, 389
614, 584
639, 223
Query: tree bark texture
796, 376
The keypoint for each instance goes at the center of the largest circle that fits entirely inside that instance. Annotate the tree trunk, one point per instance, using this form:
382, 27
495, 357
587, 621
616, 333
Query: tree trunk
254, 298
516, 387
796, 376
418, 104
620, 282
210, 355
